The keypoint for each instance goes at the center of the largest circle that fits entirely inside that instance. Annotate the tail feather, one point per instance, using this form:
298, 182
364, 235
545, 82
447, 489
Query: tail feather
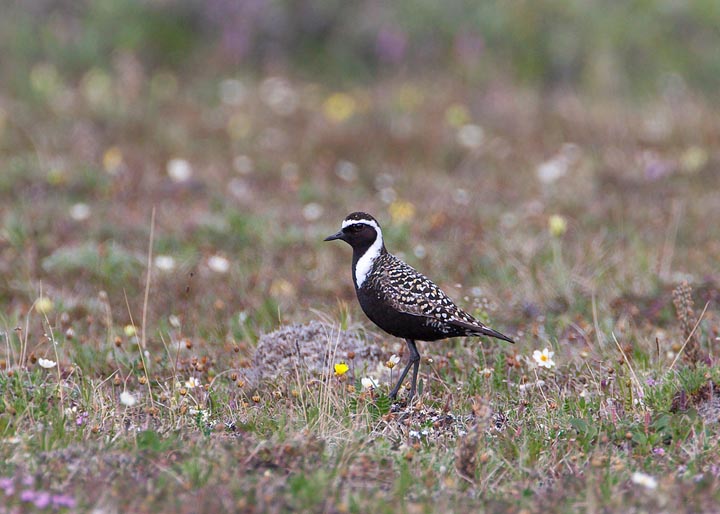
480, 330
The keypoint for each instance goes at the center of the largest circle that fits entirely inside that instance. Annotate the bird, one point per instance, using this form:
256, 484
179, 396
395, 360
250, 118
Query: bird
399, 299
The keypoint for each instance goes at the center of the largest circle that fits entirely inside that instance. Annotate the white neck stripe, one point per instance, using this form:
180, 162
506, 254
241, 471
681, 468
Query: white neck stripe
365, 263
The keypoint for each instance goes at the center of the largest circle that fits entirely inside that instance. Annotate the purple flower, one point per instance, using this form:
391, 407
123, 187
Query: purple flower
655, 166
390, 45
63, 500
81, 419
40, 499
7, 485
658, 451
239, 23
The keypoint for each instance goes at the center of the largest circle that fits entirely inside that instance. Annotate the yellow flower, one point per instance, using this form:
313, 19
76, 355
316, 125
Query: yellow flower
44, 305
112, 159
130, 330
401, 211
283, 288
457, 115
45, 79
693, 159
97, 88
56, 177
338, 107
409, 97
341, 368
238, 126
557, 225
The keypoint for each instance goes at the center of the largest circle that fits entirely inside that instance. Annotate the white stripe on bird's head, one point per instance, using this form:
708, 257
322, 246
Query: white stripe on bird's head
347, 222
365, 262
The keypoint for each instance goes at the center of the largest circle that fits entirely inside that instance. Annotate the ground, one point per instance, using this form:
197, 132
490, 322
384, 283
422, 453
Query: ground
162, 238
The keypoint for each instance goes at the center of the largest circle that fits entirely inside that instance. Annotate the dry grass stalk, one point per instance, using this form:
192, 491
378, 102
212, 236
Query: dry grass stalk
683, 302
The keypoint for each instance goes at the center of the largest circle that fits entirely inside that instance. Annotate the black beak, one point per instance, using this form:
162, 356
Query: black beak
333, 237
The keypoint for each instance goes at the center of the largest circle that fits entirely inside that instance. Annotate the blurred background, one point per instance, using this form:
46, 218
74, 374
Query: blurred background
531, 157
619, 48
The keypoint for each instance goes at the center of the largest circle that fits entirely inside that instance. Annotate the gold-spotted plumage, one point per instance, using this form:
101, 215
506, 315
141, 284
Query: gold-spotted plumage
407, 290
398, 298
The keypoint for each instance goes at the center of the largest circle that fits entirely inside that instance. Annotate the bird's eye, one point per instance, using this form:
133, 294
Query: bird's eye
356, 227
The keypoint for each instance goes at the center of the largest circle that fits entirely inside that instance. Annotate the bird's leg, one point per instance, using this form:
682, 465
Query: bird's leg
414, 361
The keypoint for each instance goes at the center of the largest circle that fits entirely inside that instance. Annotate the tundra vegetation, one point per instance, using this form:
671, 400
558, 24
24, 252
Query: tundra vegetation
177, 338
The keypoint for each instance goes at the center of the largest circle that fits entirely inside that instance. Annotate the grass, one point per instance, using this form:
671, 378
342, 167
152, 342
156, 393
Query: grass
214, 425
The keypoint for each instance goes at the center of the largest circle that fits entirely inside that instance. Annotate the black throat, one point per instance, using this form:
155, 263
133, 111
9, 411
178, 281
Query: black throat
358, 252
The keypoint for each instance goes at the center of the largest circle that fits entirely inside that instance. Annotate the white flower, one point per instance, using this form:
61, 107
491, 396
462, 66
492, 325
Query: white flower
312, 211
232, 92
204, 414
80, 211
419, 434
530, 385
388, 195
645, 480
277, 94
461, 196
192, 383
368, 383
470, 136
218, 264
392, 362
165, 262
550, 171
544, 358
127, 399
346, 170
486, 372
46, 363
179, 170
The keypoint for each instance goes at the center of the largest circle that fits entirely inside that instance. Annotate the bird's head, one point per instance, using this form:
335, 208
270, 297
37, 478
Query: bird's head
359, 230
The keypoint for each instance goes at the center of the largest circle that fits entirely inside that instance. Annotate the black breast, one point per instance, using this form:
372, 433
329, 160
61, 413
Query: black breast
400, 324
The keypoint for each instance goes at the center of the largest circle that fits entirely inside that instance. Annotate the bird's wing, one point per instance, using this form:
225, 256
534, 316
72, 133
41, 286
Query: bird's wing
409, 291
